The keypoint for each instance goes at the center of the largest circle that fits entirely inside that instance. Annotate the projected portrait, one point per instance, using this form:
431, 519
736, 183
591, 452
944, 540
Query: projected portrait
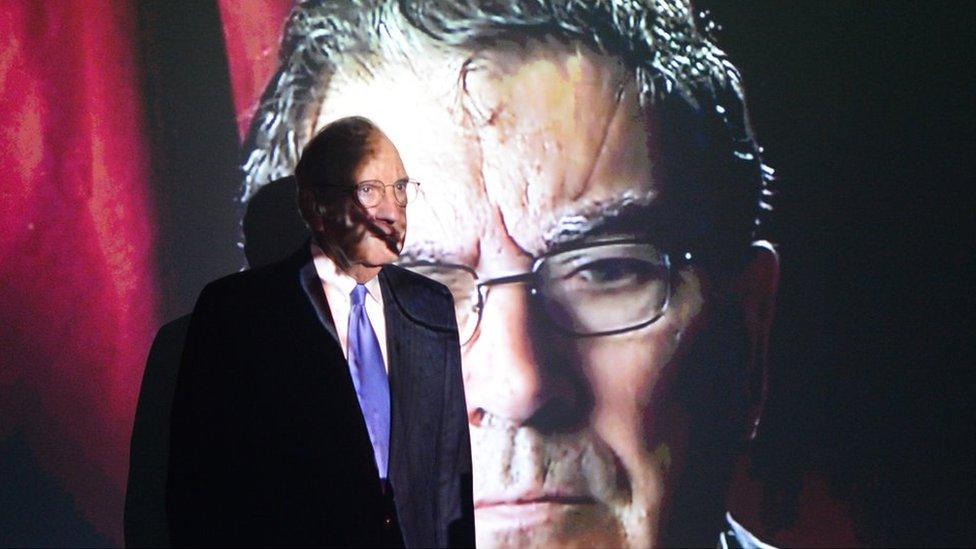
592, 195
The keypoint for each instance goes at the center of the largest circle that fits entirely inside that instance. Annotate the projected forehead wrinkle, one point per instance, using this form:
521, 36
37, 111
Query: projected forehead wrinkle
563, 138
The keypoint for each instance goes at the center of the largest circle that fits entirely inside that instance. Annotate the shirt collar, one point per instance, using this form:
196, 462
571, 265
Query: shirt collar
736, 536
331, 275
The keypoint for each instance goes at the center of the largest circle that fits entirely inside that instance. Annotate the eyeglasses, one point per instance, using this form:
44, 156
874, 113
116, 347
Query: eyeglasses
592, 289
371, 192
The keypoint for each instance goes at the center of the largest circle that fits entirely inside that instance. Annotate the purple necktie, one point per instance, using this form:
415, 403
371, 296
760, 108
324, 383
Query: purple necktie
369, 377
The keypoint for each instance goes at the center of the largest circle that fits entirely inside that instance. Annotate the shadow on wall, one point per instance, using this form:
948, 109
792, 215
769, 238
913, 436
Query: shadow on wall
273, 229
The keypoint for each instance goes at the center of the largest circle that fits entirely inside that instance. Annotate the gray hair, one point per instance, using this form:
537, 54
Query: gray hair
673, 62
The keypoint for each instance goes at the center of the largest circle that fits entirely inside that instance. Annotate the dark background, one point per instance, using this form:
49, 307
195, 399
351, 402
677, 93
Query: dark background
865, 112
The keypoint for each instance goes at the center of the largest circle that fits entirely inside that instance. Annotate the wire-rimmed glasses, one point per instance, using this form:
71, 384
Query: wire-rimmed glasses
370, 193
592, 289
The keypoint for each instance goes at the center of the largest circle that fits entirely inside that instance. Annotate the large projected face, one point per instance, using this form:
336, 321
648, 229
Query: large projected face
537, 159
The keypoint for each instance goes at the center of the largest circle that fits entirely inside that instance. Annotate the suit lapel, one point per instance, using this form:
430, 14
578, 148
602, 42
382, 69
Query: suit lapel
399, 375
312, 286
392, 319
351, 416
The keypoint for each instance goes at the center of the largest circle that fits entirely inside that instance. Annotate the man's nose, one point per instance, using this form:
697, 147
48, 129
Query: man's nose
388, 210
507, 376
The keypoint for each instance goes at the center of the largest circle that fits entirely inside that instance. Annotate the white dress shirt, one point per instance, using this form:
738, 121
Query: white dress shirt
338, 285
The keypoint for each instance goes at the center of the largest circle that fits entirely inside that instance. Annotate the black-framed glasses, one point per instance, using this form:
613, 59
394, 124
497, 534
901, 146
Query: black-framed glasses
370, 193
592, 289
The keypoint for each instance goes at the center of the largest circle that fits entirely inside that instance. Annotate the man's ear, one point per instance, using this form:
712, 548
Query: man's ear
757, 287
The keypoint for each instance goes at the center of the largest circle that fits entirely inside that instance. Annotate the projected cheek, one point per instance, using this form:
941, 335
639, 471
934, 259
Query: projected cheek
624, 372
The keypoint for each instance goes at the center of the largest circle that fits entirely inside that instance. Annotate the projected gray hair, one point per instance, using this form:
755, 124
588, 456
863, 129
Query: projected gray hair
677, 67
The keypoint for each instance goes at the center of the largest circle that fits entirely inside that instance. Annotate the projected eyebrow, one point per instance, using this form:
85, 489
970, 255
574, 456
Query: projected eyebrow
634, 215
631, 214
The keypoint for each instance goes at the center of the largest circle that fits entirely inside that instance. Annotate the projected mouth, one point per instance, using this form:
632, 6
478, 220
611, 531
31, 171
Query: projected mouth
528, 500
530, 511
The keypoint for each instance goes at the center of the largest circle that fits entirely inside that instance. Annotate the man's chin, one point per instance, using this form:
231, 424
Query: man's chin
380, 259
377, 254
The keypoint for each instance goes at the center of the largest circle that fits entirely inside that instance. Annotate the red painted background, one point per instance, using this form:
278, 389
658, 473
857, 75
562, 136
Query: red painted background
78, 281
76, 244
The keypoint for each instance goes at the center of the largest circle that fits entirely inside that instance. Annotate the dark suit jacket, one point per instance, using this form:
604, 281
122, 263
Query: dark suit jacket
268, 443
145, 509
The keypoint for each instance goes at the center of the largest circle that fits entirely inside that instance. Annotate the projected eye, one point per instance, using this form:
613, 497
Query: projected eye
610, 274
605, 288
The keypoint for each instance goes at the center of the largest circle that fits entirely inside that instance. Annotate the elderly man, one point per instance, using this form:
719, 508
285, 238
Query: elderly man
319, 400
592, 199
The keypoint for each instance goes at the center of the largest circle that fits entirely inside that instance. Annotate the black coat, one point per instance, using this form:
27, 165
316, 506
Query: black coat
268, 443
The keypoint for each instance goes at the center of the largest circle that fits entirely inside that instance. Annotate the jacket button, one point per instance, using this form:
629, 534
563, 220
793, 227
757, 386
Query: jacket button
387, 522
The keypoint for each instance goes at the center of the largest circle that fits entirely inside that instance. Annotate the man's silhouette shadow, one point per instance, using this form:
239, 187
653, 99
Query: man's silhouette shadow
273, 229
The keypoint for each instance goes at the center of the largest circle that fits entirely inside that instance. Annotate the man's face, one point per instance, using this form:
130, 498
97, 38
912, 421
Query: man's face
574, 439
386, 228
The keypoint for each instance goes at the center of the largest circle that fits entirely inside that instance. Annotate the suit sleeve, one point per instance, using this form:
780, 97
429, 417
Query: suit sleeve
145, 510
455, 505
201, 503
